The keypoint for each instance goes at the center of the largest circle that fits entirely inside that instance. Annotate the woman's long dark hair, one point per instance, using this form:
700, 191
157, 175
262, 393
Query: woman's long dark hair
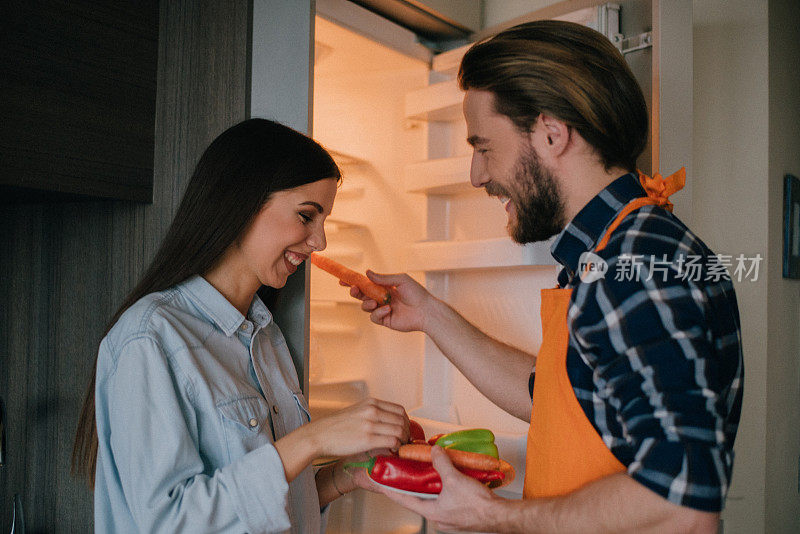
234, 178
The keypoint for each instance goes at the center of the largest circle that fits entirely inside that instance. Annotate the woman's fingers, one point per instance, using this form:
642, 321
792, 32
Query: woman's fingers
383, 416
385, 442
386, 429
391, 407
386, 423
370, 424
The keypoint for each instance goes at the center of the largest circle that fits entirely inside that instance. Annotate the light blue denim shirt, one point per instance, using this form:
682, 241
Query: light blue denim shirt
190, 396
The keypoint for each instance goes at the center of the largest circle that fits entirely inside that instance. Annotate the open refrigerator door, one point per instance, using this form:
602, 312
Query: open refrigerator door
393, 121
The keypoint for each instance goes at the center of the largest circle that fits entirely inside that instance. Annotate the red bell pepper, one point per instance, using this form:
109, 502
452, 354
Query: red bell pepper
420, 477
432, 441
417, 433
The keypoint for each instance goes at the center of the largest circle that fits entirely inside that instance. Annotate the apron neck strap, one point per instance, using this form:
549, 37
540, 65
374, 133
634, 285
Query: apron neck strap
658, 191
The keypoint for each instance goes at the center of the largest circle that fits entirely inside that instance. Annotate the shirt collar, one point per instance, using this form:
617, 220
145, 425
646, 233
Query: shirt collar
587, 227
219, 310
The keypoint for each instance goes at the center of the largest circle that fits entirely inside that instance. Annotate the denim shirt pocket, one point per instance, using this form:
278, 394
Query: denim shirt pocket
302, 405
245, 424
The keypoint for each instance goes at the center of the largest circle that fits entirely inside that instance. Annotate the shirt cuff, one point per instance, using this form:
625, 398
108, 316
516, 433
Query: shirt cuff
257, 484
687, 474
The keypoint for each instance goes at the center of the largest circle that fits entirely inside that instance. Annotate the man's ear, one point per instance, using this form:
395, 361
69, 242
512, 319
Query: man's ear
551, 135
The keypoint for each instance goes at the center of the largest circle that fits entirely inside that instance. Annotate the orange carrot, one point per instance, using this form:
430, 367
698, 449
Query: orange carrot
507, 469
462, 459
470, 460
378, 293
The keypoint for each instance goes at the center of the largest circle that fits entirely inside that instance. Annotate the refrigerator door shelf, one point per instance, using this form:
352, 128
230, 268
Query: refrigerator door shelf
510, 445
481, 254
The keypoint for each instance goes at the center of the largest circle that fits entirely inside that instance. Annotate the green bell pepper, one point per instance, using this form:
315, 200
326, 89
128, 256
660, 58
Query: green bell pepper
477, 440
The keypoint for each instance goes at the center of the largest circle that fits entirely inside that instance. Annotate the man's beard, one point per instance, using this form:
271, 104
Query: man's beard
536, 199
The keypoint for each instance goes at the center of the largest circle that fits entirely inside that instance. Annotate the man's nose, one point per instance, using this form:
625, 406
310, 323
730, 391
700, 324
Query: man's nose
478, 176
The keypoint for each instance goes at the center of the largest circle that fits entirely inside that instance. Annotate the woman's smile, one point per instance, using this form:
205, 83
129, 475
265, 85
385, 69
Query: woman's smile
293, 260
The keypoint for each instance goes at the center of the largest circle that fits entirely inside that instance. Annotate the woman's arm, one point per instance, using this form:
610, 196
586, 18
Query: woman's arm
333, 482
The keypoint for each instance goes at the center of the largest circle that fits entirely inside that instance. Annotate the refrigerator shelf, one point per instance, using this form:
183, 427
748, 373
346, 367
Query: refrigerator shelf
348, 255
348, 190
337, 223
328, 293
326, 398
333, 329
332, 303
443, 176
438, 102
449, 62
481, 254
344, 159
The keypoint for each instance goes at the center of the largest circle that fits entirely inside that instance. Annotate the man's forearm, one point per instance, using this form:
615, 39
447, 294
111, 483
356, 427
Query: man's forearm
616, 503
499, 371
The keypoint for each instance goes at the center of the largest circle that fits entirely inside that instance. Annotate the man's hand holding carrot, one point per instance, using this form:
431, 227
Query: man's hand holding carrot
410, 307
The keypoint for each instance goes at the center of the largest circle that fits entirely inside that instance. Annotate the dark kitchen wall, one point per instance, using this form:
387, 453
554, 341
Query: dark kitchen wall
65, 266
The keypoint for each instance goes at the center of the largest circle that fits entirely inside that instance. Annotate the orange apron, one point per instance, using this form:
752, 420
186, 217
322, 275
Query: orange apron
565, 452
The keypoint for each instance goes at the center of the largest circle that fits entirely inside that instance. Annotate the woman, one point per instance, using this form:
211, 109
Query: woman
195, 421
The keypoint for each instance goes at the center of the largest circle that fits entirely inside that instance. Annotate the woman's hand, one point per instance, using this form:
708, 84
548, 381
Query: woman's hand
370, 424
409, 305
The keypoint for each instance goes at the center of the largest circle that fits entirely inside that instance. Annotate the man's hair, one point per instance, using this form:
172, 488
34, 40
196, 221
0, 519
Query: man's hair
570, 72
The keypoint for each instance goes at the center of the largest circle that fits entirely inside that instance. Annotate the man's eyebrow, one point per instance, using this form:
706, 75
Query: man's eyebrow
477, 140
313, 204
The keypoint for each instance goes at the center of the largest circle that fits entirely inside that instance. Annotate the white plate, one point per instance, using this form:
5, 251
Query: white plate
406, 492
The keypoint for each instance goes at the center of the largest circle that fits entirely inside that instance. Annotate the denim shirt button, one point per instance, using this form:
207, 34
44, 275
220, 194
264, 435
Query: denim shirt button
275, 409
253, 422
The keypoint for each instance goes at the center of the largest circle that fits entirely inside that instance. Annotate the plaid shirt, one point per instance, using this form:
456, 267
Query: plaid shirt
654, 354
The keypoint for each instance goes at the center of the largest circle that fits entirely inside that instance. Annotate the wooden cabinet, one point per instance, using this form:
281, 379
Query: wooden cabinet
77, 99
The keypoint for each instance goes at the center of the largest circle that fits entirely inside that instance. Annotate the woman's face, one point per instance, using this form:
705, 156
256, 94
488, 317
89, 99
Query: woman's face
286, 230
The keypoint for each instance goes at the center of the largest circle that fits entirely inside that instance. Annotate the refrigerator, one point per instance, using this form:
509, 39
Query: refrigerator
389, 111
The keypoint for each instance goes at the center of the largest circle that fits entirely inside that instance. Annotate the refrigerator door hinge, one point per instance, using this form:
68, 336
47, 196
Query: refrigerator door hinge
632, 44
608, 25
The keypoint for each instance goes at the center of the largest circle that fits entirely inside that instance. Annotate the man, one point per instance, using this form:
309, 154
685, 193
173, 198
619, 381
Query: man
636, 389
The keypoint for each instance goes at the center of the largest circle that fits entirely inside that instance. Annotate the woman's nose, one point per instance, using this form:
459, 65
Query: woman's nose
317, 240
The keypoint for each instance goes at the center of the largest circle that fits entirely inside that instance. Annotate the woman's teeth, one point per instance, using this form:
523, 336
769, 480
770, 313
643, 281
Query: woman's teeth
293, 258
